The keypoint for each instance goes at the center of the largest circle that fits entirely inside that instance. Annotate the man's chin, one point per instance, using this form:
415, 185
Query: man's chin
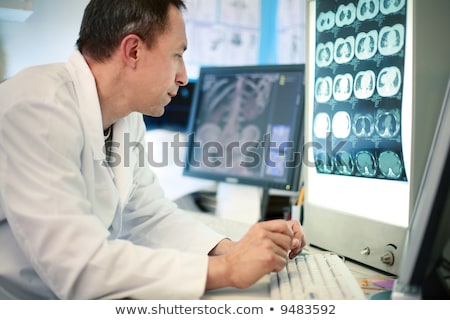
156, 112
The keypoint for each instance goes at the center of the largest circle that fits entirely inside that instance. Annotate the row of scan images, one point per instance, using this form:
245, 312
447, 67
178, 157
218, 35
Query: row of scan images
387, 164
365, 10
363, 85
389, 41
384, 123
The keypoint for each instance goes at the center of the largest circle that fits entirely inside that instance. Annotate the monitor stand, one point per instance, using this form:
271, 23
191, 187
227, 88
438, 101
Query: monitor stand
241, 203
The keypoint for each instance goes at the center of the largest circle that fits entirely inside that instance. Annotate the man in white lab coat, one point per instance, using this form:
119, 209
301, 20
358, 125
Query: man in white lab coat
75, 226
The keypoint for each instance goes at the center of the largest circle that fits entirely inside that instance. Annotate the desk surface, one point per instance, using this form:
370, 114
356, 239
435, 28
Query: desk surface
370, 280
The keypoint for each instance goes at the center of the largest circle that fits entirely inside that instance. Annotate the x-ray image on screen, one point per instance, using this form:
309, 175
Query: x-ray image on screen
236, 104
360, 56
247, 124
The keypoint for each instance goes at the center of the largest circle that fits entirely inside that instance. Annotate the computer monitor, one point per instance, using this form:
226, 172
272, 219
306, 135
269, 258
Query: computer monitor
246, 132
425, 266
376, 79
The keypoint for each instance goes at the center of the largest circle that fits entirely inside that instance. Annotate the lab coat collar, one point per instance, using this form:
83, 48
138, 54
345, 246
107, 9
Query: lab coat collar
87, 95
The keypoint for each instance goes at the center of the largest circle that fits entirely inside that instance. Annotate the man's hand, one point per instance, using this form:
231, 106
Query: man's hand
298, 242
265, 248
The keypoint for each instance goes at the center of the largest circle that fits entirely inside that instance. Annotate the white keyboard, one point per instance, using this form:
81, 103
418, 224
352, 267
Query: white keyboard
320, 276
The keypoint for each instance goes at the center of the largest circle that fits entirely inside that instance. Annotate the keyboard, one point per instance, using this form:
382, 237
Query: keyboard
322, 276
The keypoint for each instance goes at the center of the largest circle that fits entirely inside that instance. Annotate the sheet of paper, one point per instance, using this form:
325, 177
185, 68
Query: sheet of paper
222, 32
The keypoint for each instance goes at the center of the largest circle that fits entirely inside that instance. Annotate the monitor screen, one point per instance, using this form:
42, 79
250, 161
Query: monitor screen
371, 107
357, 129
358, 125
246, 126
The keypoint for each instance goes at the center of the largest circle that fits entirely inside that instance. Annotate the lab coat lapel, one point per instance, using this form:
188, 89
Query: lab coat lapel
86, 92
90, 112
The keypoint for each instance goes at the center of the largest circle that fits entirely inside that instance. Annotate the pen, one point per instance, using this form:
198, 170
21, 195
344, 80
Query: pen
296, 209
301, 196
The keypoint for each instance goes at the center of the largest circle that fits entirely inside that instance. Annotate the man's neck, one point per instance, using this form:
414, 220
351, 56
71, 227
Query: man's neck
110, 90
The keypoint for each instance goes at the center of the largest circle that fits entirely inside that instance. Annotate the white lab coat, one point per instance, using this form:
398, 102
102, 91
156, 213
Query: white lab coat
71, 227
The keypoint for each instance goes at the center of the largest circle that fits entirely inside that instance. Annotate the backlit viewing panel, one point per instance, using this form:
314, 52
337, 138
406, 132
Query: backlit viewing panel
360, 57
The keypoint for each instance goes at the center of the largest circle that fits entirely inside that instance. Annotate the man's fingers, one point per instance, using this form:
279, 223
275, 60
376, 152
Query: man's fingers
281, 240
279, 226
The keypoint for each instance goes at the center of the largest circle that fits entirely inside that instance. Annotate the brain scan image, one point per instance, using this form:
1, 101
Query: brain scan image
366, 164
325, 21
387, 123
341, 125
366, 45
365, 84
389, 81
277, 169
363, 125
323, 89
367, 9
390, 165
342, 87
324, 54
391, 6
345, 15
344, 50
322, 125
359, 94
391, 39
324, 163
280, 135
343, 163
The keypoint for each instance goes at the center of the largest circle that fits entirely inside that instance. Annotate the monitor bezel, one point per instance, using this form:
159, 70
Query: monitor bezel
428, 232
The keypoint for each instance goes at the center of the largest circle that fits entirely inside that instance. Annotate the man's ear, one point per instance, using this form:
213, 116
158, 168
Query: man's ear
130, 49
